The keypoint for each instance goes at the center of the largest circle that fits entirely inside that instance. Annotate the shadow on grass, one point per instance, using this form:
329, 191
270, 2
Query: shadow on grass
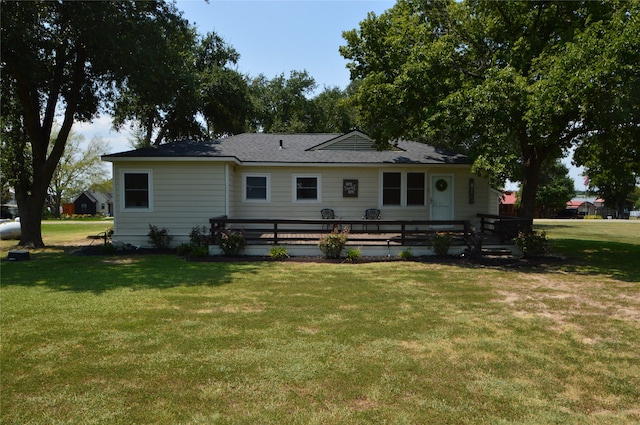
615, 259
60, 271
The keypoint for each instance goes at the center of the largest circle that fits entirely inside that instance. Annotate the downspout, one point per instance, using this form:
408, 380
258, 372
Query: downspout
226, 189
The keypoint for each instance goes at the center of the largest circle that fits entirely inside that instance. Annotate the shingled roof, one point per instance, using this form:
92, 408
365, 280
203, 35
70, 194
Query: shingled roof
330, 148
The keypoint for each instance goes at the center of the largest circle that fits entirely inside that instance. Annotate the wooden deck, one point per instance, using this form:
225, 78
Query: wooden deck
379, 236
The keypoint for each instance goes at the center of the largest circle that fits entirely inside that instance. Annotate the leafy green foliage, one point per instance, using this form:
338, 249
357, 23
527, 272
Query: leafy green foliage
200, 236
513, 84
532, 244
332, 244
278, 252
441, 243
353, 254
284, 105
555, 188
159, 238
406, 254
232, 243
68, 61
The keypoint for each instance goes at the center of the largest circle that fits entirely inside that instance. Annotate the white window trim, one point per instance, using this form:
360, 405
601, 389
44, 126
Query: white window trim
149, 174
294, 194
244, 187
403, 190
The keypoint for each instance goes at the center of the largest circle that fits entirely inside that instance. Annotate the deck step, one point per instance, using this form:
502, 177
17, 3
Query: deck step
497, 252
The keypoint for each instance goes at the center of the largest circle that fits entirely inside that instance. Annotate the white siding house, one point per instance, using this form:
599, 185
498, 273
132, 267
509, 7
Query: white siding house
289, 176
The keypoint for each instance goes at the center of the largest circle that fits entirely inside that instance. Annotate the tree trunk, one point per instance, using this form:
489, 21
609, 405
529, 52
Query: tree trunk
530, 181
30, 209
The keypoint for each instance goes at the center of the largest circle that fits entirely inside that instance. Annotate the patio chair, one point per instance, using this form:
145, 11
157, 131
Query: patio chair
371, 214
327, 214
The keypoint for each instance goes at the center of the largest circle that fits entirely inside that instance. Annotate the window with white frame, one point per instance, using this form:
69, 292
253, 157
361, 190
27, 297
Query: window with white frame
415, 189
256, 187
403, 189
136, 190
306, 188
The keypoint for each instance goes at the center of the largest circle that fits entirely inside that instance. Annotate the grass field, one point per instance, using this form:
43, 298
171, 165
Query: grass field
155, 339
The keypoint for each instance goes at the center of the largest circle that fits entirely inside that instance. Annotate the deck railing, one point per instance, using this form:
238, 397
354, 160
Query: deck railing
292, 231
505, 227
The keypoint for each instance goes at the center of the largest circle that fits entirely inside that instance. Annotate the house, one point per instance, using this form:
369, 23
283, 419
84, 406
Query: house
94, 203
289, 176
508, 202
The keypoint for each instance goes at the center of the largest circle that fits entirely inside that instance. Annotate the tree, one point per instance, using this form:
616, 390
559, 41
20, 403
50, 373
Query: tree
492, 79
78, 169
205, 98
281, 104
613, 170
556, 188
332, 112
65, 61
286, 105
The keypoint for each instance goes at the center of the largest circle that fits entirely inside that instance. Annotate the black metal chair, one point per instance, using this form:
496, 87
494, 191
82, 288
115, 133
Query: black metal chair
327, 214
371, 214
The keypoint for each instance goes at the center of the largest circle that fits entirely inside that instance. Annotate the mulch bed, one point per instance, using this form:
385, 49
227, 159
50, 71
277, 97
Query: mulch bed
496, 261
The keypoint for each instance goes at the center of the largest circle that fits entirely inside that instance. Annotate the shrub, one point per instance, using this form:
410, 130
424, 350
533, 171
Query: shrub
406, 254
353, 254
107, 249
159, 238
184, 249
200, 236
441, 243
199, 252
231, 242
278, 252
532, 244
593, 217
333, 244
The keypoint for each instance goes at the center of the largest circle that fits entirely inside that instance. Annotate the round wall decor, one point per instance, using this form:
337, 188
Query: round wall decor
441, 185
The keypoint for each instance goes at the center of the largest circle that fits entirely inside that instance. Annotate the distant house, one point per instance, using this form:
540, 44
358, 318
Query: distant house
290, 176
582, 206
508, 203
94, 203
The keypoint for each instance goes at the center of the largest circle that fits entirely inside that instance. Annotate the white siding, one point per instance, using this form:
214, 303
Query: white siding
185, 195
282, 204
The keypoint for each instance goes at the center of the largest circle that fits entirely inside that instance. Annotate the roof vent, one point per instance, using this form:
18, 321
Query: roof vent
280, 144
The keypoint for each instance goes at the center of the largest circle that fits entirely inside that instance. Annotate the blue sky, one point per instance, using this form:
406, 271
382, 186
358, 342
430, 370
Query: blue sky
275, 37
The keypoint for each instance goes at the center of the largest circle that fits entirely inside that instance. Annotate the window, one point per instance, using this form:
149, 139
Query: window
137, 190
415, 188
307, 188
391, 188
256, 187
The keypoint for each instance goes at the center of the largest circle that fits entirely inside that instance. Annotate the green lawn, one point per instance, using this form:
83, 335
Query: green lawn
155, 339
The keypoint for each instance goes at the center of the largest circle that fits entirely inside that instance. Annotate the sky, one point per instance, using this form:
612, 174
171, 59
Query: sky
275, 37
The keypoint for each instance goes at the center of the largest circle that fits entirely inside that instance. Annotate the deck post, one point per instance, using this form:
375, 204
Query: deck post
275, 233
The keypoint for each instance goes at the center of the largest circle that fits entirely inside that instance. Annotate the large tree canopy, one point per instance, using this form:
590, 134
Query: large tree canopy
514, 84
204, 97
62, 62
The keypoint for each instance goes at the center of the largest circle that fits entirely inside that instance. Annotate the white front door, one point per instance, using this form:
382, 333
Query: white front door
441, 197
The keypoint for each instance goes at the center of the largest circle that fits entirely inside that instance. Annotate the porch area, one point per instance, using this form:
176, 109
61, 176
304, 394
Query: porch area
373, 237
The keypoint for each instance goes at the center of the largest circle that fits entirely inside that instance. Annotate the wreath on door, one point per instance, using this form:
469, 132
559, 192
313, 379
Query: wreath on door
441, 185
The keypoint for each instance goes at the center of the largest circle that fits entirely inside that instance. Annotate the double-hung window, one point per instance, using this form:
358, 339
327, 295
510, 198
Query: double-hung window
415, 189
306, 188
403, 189
136, 190
392, 189
256, 187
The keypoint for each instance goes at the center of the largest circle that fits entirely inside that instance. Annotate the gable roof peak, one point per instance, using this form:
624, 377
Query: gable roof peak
355, 140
